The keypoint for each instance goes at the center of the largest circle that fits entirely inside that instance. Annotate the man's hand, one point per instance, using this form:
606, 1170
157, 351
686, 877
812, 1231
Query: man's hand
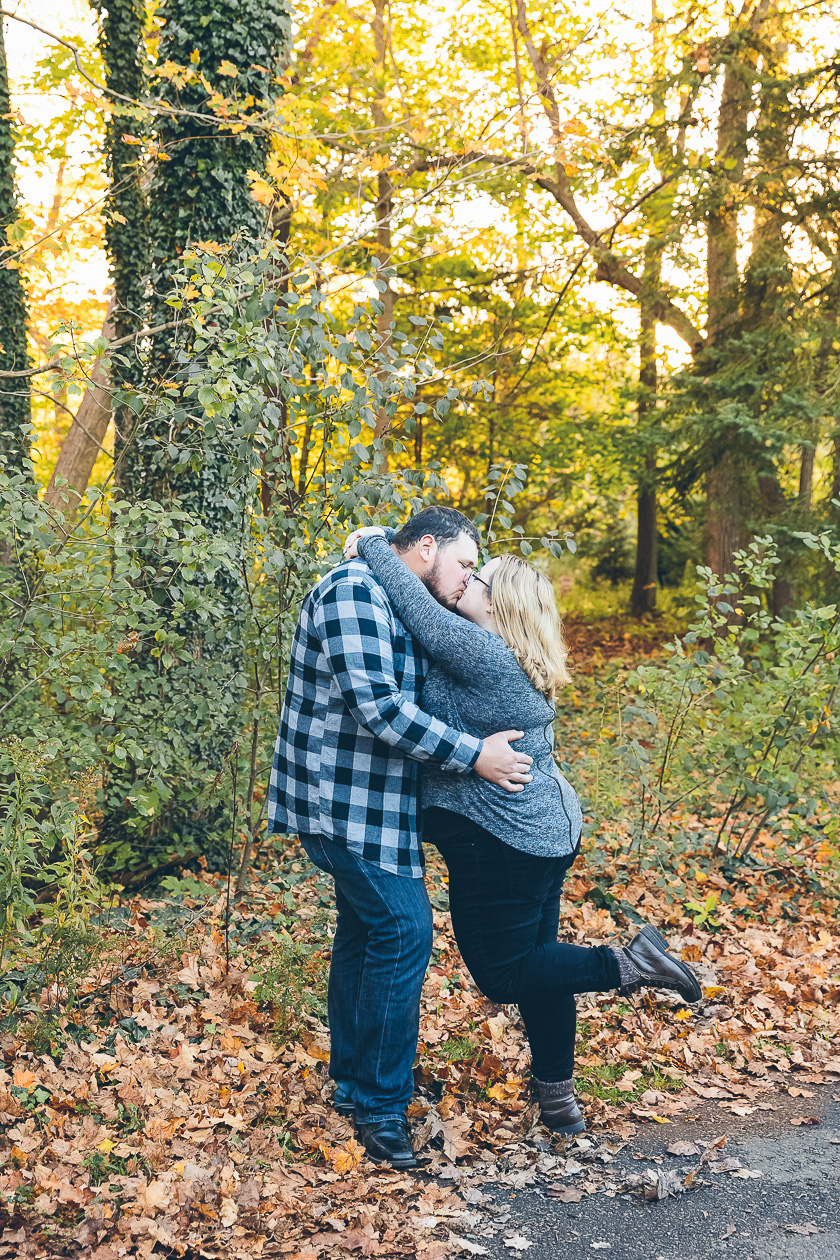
351, 549
500, 764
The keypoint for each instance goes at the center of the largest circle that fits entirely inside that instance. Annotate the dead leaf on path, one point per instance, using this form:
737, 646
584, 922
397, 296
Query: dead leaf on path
517, 1243
807, 1227
729, 1164
566, 1194
683, 1148
465, 1244
805, 1120
655, 1183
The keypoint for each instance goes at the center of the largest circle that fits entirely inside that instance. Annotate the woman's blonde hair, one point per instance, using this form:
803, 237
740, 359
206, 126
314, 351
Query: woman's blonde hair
529, 622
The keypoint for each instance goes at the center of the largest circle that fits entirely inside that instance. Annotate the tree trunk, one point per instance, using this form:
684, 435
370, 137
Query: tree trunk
84, 439
723, 482
204, 158
722, 514
121, 46
15, 415
806, 475
643, 595
384, 209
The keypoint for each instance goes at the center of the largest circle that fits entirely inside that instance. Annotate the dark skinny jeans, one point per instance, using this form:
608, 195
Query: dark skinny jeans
505, 907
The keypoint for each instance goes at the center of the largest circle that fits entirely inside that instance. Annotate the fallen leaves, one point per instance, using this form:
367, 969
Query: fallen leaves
180, 1122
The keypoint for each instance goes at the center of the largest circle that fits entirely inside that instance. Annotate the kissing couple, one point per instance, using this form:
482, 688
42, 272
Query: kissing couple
420, 700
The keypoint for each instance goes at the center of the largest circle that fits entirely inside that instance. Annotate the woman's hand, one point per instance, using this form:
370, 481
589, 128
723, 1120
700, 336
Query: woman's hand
351, 549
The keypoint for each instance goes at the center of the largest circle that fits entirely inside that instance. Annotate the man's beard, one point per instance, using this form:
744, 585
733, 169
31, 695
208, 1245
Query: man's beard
431, 581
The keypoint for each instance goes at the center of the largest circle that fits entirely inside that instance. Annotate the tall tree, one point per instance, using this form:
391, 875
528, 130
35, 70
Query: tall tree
14, 354
218, 62
222, 53
127, 218
126, 236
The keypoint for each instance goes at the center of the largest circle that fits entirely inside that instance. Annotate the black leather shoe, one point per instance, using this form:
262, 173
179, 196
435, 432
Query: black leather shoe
655, 967
387, 1141
343, 1102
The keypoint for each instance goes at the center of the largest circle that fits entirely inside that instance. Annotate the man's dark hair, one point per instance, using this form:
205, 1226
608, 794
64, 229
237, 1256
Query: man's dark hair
444, 524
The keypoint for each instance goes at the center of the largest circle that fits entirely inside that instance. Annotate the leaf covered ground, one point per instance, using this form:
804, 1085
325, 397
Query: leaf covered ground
182, 1107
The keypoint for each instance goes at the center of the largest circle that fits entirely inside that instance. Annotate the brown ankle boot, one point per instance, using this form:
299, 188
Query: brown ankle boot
558, 1110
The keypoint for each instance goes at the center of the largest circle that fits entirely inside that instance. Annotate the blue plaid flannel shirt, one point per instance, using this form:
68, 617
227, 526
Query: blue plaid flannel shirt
351, 733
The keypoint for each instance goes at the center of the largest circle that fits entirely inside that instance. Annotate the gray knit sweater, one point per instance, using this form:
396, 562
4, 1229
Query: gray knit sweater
477, 685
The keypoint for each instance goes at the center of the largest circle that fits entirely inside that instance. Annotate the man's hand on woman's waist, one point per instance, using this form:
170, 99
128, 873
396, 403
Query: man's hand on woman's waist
500, 764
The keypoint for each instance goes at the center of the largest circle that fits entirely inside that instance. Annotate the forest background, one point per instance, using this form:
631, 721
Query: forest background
269, 274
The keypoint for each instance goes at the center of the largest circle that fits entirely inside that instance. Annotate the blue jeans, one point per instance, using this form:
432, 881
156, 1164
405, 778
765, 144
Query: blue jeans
505, 907
383, 941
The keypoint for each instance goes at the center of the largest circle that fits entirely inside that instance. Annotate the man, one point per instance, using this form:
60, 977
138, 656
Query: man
345, 779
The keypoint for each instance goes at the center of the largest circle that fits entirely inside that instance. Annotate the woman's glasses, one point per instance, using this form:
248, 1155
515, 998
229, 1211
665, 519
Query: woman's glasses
475, 578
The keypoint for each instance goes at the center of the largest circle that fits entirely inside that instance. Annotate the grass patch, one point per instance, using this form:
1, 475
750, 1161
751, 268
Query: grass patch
458, 1048
601, 1082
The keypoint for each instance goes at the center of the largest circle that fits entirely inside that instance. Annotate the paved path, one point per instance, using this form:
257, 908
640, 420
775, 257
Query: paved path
728, 1217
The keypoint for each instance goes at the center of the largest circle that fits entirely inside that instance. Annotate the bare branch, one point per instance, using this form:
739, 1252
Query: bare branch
610, 266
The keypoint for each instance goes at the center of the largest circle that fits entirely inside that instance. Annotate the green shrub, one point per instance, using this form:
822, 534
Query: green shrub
293, 980
735, 725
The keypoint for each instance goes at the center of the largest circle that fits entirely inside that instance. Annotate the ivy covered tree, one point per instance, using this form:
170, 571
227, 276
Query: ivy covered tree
214, 60
14, 355
127, 218
218, 66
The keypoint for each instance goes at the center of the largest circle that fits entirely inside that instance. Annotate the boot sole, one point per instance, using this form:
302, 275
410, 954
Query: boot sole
567, 1130
657, 939
401, 1165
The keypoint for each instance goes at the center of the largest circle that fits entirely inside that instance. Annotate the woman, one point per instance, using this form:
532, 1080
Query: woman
497, 664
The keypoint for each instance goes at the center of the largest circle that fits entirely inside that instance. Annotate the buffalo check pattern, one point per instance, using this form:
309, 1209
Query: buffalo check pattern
351, 731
